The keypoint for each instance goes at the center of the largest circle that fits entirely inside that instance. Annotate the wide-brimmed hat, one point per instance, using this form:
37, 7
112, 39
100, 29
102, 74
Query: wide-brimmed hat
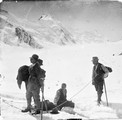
35, 56
95, 58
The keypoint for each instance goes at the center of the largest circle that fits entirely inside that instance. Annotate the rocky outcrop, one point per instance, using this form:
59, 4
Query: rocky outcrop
24, 36
39, 34
8, 31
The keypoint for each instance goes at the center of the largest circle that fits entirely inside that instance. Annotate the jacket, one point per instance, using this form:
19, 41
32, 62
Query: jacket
34, 72
60, 96
98, 73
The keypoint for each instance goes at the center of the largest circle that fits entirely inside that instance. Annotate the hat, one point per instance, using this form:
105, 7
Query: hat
95, 58
40, 61
35, 56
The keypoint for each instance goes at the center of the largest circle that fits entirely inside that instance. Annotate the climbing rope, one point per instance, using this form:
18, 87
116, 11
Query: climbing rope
81, 89
5, 101
56, 106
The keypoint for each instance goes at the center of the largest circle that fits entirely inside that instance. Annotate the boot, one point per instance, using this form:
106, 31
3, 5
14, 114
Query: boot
26, 110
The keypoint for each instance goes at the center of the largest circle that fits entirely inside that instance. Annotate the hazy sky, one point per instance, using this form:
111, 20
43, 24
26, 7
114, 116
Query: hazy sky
104, 17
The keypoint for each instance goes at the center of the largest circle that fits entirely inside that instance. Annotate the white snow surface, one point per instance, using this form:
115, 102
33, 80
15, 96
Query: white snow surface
69, 64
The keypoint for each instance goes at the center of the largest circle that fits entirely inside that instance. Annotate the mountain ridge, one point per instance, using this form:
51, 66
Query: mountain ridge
33, 34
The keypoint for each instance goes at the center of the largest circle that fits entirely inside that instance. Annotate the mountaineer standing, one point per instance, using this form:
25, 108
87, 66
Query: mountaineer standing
98, 75
33, 86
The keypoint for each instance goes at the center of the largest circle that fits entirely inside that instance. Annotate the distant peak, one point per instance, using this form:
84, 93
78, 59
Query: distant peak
45, 17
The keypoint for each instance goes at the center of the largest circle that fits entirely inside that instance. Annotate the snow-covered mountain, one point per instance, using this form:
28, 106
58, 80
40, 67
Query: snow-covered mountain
43, 32
89, 37
37, 34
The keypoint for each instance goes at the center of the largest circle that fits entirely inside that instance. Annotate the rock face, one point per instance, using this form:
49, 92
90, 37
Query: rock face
25, 37
9, 32
13, 35
44, 32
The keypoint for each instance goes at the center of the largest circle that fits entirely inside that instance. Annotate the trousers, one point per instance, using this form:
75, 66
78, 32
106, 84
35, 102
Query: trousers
33, 90
99, 89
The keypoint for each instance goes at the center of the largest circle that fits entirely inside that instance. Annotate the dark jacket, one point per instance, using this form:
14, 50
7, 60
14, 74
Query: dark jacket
60, 97
34, 72
98, 73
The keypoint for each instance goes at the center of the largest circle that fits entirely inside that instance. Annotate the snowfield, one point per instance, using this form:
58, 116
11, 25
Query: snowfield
69, 64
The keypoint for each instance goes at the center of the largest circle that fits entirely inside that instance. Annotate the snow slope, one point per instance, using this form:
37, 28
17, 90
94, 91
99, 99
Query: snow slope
69, 64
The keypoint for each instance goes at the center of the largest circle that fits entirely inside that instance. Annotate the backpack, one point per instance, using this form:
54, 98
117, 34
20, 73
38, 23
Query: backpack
23, 73
42, 73
101, 71
109, 68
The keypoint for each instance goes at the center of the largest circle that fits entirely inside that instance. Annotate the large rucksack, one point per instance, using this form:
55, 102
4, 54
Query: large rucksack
109, 68
42, 73
101, 72
23, 75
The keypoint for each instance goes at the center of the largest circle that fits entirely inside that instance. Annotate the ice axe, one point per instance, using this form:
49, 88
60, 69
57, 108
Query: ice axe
106, 93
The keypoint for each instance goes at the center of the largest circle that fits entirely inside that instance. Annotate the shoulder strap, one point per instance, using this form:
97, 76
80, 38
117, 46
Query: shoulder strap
99, 69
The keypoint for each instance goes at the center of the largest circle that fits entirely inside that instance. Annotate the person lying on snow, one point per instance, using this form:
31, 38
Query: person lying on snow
60, 99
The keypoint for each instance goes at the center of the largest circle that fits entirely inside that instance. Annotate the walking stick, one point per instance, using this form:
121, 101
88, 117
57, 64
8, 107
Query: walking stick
42, 103
105, 93
45, 104
43, 100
